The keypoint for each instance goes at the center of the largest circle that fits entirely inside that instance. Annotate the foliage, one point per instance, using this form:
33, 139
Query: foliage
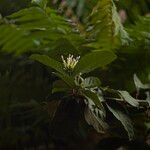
37, 31
133, 58
41, 31
90, 90
34, 100
106, 26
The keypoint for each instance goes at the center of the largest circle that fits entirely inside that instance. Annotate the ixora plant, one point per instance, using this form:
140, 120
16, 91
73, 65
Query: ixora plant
98, 100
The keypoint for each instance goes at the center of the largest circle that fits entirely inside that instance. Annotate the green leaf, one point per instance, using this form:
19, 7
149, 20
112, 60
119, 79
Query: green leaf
91, 96
67, 79
60, 86
41, 3
124, 119
107, 29
90, 82
33, 18
32, 29
139, 84
100, 95
94, 120
55, 65
48, 62
128, 98
93, 60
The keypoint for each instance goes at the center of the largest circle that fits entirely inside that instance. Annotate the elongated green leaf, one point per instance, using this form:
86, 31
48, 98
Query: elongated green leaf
129, 99
60, 86
107, 29
67, 79
91, 82
139, 84
124, 119
94, 60
31, 18
36, 29
55, 65
92, 119
93, 97
48, 62
99, 94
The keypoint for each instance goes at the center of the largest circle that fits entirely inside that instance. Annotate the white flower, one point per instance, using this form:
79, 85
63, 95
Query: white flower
71, 62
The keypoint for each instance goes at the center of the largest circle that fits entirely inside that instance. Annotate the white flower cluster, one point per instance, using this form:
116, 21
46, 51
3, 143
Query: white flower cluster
71, 62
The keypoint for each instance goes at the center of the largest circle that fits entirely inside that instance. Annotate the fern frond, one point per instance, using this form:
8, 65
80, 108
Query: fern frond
35, 29
105, 28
